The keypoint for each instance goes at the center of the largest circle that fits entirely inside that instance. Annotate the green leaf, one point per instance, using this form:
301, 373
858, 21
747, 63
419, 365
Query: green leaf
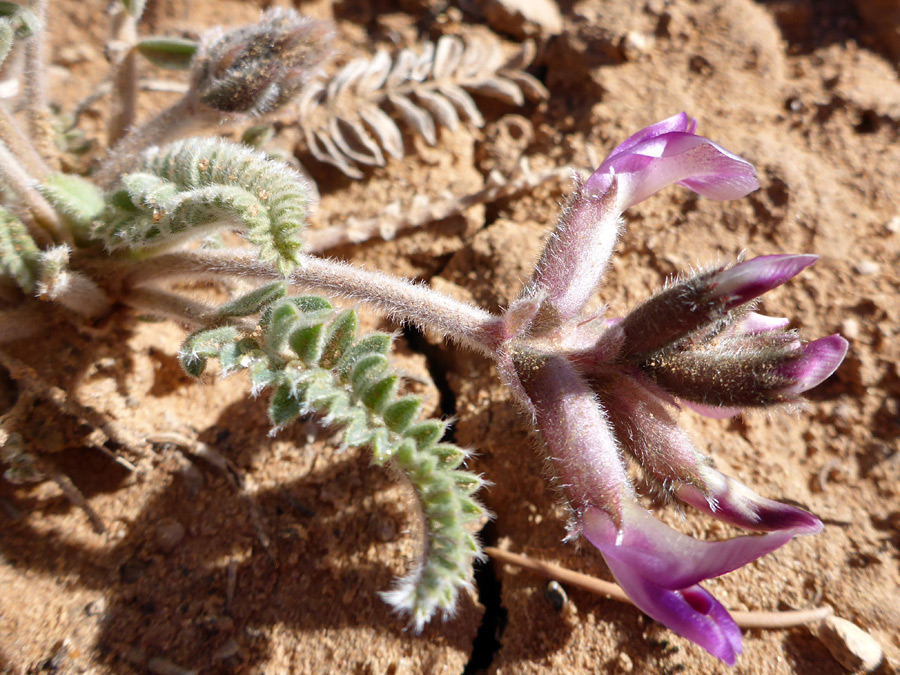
449, 455
426, 434
312, 303
261, 376
76, 198
283, 406
307, 342
254, 301
202, 345
340, 336
378, 395
168, 52
367, 371
401, 413
377, 343
284, 318
19, 255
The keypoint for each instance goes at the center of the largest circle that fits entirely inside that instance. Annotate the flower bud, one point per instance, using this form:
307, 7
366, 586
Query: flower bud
257, 68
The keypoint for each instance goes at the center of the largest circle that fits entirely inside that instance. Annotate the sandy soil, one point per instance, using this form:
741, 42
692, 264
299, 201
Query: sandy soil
806, 91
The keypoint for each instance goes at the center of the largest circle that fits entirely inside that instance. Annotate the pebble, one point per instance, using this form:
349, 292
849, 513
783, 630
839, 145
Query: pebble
519, 17
893, 225
850, 328
850, 645
634, 45
555, 593
866, 267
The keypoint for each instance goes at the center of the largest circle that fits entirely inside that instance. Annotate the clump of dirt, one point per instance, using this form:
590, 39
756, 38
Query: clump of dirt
283, 574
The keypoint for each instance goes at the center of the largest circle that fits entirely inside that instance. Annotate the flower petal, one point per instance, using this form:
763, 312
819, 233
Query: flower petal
673, 560
750, 279
692, 161
691, 612
818, 362
679, 122
735, 503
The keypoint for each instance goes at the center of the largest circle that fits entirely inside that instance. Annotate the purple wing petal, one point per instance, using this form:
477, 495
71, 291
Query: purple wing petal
691, 612
679, 122
673, 560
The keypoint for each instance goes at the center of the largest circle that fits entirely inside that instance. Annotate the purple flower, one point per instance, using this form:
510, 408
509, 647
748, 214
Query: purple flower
670, 152
660, 569
600, 388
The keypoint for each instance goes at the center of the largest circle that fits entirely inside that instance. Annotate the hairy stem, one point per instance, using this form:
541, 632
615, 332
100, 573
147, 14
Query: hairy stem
18, 143
176, 121
187, 312
18, 180
399, 299
125, 75
770, 620
35, 86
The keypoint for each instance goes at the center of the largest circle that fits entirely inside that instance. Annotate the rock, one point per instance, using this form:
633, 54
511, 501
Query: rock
635, 45
524, 18
866, 268
850, 645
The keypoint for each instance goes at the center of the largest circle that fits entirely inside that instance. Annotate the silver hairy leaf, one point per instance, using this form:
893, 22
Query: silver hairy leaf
346, 120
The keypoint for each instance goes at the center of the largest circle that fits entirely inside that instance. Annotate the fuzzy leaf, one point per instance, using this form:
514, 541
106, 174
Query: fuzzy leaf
450, 456
312, 303
200, 346
367, 371
377, 343
168, 52
184, 189
378, 395
254, 301
340, 336
307, 342
76, 198
401, 413
426, 434
284, 318
19, 254
283, 406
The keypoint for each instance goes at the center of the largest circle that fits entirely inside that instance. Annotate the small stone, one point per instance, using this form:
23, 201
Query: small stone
169, 533
850, 645
850, 328
556, 594
521, 17
866, 267
893, 225
624, 663
635, 45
